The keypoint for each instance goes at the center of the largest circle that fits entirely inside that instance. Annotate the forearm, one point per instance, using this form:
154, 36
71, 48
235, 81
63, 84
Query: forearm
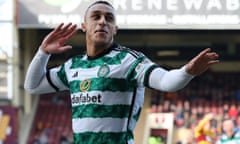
169, 81
35, 80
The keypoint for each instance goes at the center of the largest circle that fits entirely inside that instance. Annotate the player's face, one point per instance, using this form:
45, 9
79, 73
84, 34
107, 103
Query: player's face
100, 24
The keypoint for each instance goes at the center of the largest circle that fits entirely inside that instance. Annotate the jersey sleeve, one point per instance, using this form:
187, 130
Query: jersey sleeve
140, 69
146, 73
57, 78
38, 80
169, 80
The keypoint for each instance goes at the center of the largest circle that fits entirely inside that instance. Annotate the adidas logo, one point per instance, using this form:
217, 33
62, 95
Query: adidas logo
75, 75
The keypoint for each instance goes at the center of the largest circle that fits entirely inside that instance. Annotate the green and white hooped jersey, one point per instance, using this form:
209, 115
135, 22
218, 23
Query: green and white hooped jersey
107, 94
235, 139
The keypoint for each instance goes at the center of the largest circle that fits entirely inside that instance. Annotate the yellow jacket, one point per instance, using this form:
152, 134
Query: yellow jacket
203, 136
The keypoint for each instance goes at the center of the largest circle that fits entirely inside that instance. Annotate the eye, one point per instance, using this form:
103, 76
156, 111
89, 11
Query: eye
96, 17
109, 18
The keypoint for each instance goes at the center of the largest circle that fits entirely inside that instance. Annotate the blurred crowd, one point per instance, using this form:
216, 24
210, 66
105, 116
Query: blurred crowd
52, 122
215, 94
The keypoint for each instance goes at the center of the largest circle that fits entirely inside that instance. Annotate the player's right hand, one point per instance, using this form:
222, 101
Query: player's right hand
54, 42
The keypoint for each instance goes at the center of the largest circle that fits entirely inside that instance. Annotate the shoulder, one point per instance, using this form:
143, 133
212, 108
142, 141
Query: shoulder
131, 52
75, 60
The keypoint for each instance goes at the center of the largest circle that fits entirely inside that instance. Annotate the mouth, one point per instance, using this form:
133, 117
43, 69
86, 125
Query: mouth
101, 31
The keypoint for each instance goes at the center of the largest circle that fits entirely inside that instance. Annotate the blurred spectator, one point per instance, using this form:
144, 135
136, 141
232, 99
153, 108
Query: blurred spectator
43, 139
179, 114
184, 136
36, 139
238, 122
233, 112
220, 111
207, 109
200, 112
186, 117
231, 135
205, 132
193, 118
64, 140
166, 106
154, 108
39, 126
47, 129
186, 107
159, 108
225, 111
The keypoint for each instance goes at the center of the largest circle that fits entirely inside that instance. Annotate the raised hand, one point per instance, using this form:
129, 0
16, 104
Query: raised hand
202, 62
54, 42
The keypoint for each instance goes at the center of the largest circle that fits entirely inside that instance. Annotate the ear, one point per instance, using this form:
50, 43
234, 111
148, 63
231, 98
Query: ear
83, 25
115, 31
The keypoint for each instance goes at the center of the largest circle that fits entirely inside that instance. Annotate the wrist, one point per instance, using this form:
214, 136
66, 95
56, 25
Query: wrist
187, 71
43, 51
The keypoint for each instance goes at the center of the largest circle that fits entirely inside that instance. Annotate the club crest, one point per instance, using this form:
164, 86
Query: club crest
103, 71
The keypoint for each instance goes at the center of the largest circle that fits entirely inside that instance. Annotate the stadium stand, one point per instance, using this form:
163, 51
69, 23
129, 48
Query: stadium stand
8, 125
52, 119
217, 93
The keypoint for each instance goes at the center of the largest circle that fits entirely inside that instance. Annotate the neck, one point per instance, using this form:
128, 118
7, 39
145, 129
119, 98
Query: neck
97, 49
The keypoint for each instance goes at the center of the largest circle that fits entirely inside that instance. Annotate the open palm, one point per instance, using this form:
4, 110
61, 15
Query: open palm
54, 42
202, 62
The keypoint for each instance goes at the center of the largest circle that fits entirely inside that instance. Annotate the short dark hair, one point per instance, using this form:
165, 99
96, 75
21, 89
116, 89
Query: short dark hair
98, 2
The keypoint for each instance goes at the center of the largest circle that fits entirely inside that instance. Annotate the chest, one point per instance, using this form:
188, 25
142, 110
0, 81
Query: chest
116, 66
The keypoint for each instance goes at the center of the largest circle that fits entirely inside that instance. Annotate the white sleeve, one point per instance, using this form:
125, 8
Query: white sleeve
169, 81
36, 81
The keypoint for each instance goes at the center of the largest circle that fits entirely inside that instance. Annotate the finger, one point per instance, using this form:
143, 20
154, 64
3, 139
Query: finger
213, 62
70, 31
59, 27
65, 28
215, 55
212, 56
204, 52
64, 48
73, 32
65, 38
55, 32
60, 31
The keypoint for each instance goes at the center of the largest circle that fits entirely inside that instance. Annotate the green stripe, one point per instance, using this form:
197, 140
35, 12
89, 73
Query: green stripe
131, 76
77, 62
103, 84
100, 111
62, 75
101, 138
235, 139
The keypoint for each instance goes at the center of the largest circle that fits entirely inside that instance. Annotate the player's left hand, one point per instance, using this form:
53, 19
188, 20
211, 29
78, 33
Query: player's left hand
202, 62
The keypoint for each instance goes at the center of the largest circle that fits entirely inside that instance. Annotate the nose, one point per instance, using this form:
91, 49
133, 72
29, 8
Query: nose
102, 20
